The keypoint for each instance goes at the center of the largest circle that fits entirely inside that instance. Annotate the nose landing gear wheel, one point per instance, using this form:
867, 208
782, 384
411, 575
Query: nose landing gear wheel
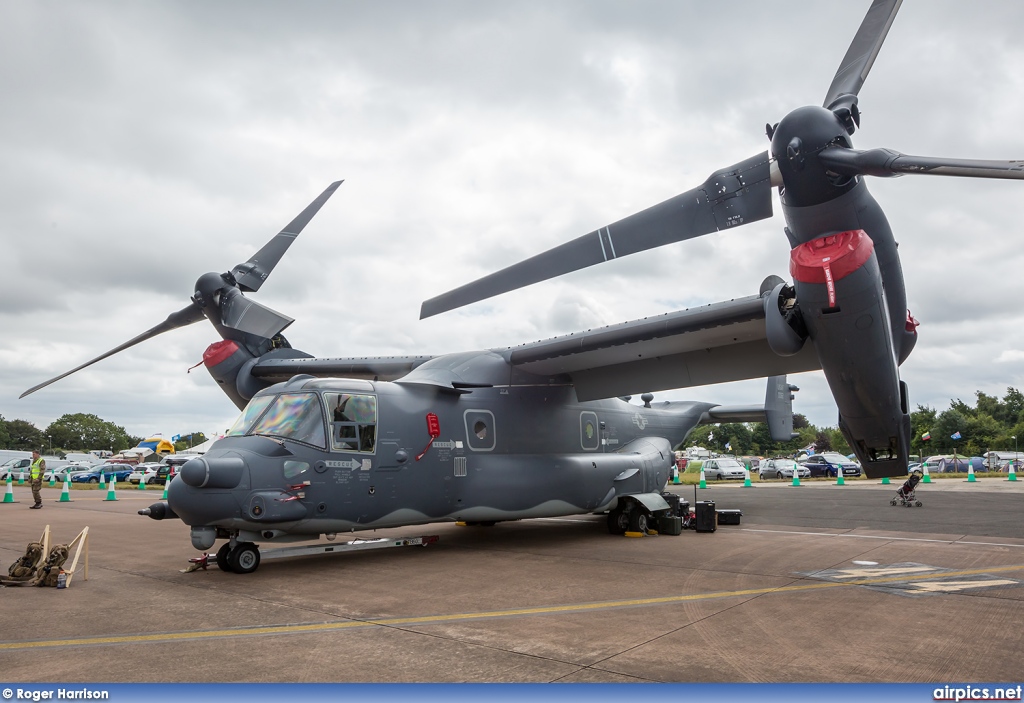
244, 558
222, 557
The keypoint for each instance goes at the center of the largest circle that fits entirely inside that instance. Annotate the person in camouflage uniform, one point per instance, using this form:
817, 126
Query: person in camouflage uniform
36, 473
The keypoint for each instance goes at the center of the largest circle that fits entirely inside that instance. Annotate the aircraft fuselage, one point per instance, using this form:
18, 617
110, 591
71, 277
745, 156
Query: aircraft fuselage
316, 456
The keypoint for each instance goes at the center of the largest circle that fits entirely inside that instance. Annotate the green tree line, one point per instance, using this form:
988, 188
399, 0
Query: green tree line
77, 432
990, 424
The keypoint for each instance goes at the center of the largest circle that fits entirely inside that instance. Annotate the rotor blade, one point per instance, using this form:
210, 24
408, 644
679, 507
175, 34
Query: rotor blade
863, 50
182, 318
251, 275
243, 314
886, 163
731, 197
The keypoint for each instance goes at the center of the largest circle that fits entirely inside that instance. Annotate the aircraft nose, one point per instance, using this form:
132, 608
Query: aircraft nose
215, 472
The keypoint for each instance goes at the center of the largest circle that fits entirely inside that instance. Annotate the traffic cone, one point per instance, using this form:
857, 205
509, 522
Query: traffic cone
796, 478
839, 477
927, 478
110, 490
885, 481
746, 477
167, 482
703, 483
9, 495
103, 482
53, 479
142, 484
970, 474
21, 478
65, 494
1013, 473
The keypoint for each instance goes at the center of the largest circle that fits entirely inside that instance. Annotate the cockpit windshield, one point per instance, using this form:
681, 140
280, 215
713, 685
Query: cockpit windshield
297, 416
252, 411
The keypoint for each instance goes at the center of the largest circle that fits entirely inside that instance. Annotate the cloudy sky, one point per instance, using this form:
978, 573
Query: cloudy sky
147, 143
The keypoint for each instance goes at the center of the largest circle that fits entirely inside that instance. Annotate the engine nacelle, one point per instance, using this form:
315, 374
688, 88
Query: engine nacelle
224, 360
843, 306
784, 327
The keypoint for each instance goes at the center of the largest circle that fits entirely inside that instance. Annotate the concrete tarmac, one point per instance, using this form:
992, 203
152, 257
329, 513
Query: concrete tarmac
819, 583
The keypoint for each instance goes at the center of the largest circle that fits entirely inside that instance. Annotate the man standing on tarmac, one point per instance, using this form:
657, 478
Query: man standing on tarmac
36, 473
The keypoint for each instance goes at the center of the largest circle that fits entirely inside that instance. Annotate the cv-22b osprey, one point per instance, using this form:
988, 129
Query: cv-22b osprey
327, 446
330, 445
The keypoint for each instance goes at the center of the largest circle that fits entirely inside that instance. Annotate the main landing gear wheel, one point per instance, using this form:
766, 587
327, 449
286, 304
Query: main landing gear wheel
244, 558
638, 520
618, 521
222, 557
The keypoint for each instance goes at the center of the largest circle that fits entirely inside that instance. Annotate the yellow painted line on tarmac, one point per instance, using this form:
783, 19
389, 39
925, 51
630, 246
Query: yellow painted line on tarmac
456, 617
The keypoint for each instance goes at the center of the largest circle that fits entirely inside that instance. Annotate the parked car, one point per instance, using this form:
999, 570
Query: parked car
153, 473
14, 467
143, 472
830, 463
724, 468
61, 471
119, 472
783, 468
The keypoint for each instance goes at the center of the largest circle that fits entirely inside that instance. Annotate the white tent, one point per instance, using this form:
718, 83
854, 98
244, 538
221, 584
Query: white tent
200, 448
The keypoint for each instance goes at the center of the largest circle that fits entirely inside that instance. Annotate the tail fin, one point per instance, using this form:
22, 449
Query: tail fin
778, 408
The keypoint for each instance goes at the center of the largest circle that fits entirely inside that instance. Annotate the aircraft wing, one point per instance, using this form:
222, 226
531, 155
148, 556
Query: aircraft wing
710, 344
376, 368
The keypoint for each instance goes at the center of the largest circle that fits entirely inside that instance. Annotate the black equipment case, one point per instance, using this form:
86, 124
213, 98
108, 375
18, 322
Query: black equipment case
704, 516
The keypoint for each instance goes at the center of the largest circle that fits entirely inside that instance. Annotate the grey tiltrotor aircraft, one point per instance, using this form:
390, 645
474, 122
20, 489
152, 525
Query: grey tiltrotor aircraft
332, 445
481, 436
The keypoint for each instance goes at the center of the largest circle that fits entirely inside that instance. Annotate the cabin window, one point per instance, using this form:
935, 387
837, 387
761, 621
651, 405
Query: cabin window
590, 432
296, 416
294, 469
480, 430
252, 411
353, 421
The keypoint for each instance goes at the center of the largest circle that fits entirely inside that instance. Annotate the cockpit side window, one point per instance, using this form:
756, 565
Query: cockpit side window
252, 411
297, 416
353, 421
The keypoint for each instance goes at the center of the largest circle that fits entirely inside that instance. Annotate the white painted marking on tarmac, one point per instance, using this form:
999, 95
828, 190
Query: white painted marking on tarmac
889, 539
866, 563
881, 571
954, 586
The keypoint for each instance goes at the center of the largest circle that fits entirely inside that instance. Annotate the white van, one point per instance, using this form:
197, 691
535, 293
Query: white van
16, 466
996, 460
697, 453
